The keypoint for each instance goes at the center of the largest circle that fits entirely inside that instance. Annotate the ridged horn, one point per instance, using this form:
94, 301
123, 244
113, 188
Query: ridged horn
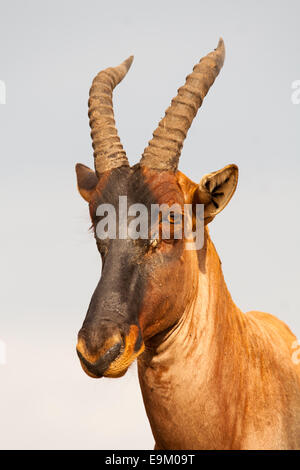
164, 149
108, 150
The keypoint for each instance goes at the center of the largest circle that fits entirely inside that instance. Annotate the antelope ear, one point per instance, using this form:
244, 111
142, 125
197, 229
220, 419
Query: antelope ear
86, 181
215, 191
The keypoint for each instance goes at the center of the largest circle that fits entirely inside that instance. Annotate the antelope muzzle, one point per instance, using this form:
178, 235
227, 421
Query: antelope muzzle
108, 350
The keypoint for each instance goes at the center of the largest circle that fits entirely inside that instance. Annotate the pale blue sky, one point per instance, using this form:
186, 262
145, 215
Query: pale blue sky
49, 54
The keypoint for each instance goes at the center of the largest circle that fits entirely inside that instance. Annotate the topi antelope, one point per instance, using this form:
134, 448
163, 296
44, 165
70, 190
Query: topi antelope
211, 376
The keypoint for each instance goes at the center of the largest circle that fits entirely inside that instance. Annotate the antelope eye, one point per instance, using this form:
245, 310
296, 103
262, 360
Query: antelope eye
174, 219
171, 218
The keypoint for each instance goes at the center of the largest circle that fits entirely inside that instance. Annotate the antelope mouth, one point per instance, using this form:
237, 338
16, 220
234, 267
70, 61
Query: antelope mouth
116, 361
98, 368
133, 347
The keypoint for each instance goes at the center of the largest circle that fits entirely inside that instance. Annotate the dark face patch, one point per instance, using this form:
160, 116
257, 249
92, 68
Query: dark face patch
140, 280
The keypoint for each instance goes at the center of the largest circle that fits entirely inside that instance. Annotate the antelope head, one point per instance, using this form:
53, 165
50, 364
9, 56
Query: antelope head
145, 283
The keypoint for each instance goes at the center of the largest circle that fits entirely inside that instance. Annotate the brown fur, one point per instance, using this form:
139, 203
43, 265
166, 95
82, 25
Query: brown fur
211, 376
220, 379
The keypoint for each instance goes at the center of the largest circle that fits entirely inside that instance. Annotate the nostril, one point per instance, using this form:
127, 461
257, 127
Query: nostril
95, 339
